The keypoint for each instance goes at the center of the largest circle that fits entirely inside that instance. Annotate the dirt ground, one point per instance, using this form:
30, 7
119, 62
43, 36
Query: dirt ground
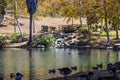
49, 21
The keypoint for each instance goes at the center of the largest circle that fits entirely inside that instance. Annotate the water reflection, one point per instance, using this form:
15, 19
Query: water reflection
34, 63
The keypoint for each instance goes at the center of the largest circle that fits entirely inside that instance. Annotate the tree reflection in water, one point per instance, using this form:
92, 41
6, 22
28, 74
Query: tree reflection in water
34, 63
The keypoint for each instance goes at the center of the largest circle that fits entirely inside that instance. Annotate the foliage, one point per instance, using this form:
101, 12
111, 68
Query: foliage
3, 41
10, 38
16, 39
84, 31
52, 28
46, 40
103, 34
13, 38
3, 5
92, 19
92, 9
14, 34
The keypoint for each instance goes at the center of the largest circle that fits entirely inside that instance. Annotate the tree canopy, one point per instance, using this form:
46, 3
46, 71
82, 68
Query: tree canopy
67, 8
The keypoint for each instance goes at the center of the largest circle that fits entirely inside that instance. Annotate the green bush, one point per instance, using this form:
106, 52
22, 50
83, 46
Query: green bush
111, 34
3, 41
46, 40
15, 37
84, 31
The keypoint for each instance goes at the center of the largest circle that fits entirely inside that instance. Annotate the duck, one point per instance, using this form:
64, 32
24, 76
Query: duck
52, 71
65, 70
100, 65
95, 68
74, 68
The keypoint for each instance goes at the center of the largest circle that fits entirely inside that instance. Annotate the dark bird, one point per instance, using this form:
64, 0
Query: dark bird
90, 73
100, 65
65, 71
74, 68
52, 71
12, 75
109, 66
95, 68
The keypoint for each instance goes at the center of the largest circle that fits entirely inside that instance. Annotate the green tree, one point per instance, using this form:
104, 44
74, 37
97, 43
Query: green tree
114, 18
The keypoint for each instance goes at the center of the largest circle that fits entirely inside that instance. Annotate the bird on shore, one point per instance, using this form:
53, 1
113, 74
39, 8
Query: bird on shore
95, 68
74, 68
52, 71
100, 65
65, 70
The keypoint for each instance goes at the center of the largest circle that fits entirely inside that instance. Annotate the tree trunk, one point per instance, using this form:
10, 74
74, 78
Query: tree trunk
101, 28
1, 18
106, 24
30, 31
19, 27
117, 35
72, 21
80, 12
89, 32
15, 7
16, 20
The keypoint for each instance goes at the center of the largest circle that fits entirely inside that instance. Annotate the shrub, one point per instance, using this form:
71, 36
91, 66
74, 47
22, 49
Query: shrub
84, 31
15, 37
3, 41
46, 40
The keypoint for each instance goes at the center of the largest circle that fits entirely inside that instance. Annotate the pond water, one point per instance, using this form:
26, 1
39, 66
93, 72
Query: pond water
35, 63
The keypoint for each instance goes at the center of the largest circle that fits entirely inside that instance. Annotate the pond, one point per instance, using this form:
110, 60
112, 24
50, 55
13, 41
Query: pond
35, 63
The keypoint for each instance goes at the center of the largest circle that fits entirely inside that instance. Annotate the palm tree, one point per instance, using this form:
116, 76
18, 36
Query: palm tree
32, 6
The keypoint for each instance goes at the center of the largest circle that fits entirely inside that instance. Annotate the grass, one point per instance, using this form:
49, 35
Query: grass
103, 34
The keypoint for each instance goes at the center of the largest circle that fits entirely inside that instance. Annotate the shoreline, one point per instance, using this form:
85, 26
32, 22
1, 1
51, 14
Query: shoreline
24, 45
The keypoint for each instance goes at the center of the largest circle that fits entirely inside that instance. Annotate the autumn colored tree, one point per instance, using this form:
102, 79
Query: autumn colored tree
113, 15
3, 5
